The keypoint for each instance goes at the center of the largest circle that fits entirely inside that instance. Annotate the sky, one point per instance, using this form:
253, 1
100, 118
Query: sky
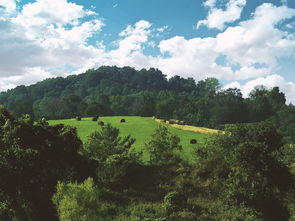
243, 43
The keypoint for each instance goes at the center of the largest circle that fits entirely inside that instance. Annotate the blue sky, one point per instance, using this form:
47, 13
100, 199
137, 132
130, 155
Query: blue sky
243, 43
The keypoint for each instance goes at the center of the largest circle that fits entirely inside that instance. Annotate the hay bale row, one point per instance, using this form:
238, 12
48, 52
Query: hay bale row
172, 121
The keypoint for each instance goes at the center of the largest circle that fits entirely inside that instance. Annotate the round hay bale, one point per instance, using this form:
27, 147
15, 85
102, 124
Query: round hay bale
181, 122
101, 123
193, 141
78, 118
167, 121
122, 120
154, 117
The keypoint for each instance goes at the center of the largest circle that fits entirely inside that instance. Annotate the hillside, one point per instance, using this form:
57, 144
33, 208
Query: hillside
113, 91
140, 128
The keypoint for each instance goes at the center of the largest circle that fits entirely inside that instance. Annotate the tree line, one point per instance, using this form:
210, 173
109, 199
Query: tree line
125, 91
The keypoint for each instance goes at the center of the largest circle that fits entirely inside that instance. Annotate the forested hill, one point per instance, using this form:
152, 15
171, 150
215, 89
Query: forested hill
126, 91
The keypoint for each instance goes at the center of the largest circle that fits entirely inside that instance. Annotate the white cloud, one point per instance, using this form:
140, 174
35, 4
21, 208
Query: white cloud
45, 35
210, 3
162, 29
218, 18
8, 8
131, 45
43, 40
269, 82
258, 40
188, 57
44, 12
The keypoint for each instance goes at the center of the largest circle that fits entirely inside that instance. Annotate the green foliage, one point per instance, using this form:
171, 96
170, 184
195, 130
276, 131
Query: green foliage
144, 212
82, 202
112, 156
33, 157
174, 201
105, 143
163, 147
252, 176
285, 122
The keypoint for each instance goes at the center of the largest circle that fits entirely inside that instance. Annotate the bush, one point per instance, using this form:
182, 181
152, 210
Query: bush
95, 118
82, 202
101, 123
122, 121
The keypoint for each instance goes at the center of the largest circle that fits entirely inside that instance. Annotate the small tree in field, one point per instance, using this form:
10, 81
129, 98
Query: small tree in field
163, 146
112, 155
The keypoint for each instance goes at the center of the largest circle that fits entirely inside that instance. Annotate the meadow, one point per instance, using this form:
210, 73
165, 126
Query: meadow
140, 128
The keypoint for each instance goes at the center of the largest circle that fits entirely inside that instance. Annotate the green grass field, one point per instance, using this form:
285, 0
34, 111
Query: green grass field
140, 128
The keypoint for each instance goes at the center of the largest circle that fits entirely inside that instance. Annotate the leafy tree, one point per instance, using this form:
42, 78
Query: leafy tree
228, 107
82, 202
146, 104
207, 87
285, 122
163, 147
33, 157
251, 174
105, 143
112, 155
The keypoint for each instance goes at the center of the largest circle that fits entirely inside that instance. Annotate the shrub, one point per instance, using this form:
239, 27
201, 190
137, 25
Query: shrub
101, 123
95, 118
122, 120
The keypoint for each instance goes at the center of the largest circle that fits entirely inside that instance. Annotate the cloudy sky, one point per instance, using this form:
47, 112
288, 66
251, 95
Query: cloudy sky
243, 43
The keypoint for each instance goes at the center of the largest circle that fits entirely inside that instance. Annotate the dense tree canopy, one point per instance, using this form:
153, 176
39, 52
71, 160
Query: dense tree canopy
33, 157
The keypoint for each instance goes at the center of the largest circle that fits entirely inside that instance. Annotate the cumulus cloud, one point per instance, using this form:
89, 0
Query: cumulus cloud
218, 18
50, 38
7, 8
44, 35
253, 45
129, 51
258, 40
269, 82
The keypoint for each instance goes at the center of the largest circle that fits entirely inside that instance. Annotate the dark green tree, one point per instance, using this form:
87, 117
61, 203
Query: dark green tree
247, 171
163, 147
33, 157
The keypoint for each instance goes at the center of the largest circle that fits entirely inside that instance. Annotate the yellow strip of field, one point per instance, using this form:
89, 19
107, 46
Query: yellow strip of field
191, 128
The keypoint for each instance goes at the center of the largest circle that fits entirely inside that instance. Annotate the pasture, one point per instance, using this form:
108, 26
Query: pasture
140, 128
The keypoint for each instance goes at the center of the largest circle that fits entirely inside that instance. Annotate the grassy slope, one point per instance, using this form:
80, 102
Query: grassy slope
140, 128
